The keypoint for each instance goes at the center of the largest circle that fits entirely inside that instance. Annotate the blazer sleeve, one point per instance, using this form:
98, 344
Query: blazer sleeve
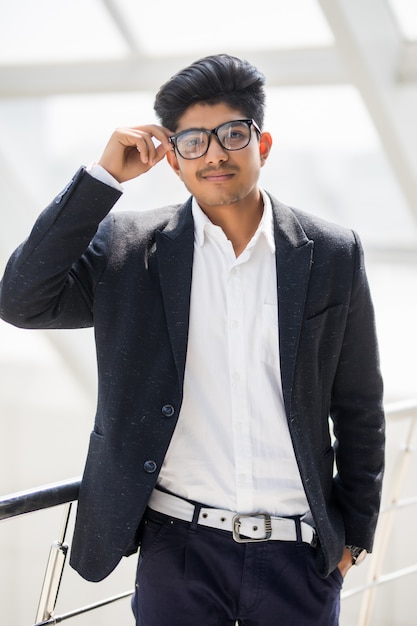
49, 280
358, 416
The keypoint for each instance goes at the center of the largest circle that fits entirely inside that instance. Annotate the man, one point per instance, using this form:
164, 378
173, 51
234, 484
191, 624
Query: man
228, 331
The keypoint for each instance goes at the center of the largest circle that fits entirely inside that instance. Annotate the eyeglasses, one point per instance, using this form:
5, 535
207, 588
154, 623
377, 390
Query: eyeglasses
194, 142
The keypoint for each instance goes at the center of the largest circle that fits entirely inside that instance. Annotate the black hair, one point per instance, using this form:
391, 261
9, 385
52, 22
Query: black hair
213, 79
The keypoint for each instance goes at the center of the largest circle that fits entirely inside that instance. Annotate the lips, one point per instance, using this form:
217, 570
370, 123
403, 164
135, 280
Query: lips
216, 175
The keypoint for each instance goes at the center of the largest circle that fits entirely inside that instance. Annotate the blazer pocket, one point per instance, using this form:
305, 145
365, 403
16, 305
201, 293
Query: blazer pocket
96, 447
335, 312
321, 343
326, 330
96, 434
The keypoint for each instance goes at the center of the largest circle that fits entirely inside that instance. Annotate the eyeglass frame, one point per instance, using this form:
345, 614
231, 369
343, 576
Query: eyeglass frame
250, 122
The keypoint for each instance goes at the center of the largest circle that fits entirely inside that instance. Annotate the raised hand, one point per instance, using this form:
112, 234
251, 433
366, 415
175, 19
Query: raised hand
131, 152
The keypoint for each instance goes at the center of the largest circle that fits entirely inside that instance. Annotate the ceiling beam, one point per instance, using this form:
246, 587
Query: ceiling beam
122, 24
407, 65
372, 49
307, 66
295, 67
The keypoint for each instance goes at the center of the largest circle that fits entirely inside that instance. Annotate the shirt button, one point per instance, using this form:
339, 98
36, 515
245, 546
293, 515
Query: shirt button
168, 410
150, 466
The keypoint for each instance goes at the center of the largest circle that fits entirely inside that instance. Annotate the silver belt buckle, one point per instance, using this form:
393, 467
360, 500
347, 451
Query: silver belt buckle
236, 527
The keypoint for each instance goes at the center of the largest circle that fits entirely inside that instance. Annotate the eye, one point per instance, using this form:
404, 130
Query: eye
234, 134
192, 143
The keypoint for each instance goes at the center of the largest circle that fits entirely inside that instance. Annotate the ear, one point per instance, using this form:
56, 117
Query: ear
265, 145
173, 161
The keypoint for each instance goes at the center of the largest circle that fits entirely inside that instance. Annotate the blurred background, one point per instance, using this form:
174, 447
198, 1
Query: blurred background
342, 101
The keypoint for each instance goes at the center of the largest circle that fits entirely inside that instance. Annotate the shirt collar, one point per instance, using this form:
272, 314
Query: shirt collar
265, 227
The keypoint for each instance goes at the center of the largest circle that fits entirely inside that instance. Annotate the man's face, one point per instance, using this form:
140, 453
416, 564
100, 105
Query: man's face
220, 177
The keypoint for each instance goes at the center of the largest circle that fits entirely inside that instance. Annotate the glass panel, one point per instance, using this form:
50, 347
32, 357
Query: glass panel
51, 31
181, 28
405, 12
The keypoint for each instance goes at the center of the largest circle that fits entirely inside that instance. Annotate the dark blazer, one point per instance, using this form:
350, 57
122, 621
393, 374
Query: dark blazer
129, 275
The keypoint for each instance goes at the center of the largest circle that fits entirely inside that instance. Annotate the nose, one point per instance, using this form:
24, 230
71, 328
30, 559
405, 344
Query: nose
215, 153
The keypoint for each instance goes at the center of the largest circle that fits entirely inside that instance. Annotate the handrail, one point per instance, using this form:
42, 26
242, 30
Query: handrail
65, 492
39, 498
396, 411
57, 619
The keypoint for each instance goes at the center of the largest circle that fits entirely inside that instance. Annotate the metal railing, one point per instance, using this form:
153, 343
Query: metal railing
66, 492
29, 501
399, 411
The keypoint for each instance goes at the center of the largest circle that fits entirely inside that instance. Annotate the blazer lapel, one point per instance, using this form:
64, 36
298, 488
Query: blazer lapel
294, 252
174, 249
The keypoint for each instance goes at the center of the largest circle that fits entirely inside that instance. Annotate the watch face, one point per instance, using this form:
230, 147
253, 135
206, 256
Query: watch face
361, 557
358, 554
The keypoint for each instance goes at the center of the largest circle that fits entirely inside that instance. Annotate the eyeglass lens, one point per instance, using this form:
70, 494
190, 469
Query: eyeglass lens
233, 135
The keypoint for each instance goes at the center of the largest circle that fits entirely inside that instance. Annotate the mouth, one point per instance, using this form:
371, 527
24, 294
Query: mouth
216, 176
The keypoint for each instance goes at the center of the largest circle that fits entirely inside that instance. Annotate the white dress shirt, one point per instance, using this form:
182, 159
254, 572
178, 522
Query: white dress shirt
232, 448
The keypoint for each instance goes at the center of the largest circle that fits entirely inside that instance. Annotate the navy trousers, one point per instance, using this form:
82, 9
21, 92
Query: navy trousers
191, 575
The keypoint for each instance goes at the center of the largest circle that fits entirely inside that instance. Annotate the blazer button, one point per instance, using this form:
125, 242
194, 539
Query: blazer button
150, 467
168, 410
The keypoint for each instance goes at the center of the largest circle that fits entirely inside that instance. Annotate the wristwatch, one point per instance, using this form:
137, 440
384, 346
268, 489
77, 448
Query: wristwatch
358, 554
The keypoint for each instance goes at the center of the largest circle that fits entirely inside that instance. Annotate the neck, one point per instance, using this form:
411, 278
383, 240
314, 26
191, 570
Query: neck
238, 222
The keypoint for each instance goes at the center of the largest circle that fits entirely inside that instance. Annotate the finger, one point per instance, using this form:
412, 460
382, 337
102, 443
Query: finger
131, 151
160, 133
147, 142
160, 152
153, 144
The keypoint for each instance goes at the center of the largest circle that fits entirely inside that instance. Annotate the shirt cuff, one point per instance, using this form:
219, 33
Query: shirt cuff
98, 172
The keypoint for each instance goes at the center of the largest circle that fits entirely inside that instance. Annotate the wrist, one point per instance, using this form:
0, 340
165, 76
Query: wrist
357, 554
100, 173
